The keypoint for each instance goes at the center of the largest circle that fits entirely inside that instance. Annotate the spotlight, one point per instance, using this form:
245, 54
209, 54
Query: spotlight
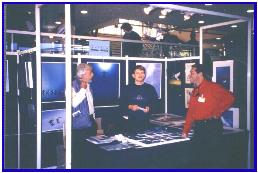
84, 11
164, 12
250, 11
147, 10
187, 15
58, 22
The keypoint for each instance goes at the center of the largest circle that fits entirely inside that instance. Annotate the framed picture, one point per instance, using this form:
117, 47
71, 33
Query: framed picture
230, 118
188, 67
53, 82
53, 120
188, 92
223, 73
153, 75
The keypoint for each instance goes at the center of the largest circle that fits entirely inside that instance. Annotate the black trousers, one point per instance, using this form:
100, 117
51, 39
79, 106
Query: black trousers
78, 145
207, 143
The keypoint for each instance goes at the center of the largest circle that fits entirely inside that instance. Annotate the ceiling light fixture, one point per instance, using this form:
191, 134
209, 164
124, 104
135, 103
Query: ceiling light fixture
164, 12
214, 45
58, 22
218, 38
233, 26
208, 4
29, 12
147, 10
162, 17
250, 11
84, 11
187, 15
201, 21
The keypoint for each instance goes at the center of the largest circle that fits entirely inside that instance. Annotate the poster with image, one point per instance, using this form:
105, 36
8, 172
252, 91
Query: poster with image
223, 73
188, 92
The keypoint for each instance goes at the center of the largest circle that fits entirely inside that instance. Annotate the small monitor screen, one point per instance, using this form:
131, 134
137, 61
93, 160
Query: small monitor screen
53, 81
106, 83
53, 120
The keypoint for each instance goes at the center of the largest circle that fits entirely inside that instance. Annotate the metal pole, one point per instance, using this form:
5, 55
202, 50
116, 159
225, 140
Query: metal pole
166, 86
127, 70
248, 90
19, 116
200, 46
38, 92
68, 74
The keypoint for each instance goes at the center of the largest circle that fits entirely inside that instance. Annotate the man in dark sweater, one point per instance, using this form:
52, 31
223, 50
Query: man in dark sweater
138, 100
131, 49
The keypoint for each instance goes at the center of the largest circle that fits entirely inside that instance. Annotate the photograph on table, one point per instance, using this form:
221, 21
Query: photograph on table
153, 75
223, 73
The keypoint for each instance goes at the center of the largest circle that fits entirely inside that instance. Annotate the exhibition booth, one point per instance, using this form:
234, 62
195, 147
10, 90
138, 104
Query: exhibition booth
40, 64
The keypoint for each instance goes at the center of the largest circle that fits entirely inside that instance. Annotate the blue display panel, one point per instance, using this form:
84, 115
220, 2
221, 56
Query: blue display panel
53, 81
53, 120
106, 83
223, 76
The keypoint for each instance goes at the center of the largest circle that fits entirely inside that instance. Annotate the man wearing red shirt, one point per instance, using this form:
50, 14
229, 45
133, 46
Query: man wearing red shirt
207, 102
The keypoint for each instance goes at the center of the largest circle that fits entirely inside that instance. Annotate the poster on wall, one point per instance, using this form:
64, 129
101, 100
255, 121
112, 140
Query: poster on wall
53, 120
7, 77
188, 67
230, 118
105, 82
99, 48
53, 81
153, 75
188, 92
223, 73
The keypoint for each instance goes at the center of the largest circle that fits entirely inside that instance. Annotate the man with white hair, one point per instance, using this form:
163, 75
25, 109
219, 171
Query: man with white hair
83, 111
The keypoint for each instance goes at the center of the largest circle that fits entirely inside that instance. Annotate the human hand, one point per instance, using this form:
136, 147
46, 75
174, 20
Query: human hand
83, 84
147, 109
133, 107
184, 135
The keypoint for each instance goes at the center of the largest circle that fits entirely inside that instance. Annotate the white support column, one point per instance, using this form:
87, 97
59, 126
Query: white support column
68, 74
166, 86
200, 45
248, 90
38, 92
126, 70
19, 117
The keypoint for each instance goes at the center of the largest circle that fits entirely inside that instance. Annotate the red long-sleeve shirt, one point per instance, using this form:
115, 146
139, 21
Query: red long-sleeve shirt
207, 100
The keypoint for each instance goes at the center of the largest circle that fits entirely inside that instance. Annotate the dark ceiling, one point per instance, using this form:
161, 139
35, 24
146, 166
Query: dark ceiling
100, 15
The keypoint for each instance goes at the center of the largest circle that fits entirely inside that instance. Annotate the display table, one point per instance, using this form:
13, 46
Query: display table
165, 150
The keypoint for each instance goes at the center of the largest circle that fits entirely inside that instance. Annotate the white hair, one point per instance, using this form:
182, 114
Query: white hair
81, 68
